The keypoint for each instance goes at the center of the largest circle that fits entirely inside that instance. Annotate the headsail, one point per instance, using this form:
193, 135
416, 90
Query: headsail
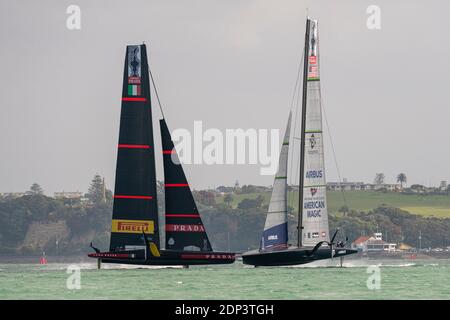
275, 234
315, 216
184, 226
135, 205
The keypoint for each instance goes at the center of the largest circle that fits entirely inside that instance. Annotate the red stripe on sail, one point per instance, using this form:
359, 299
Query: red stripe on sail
133, 99
168, 151
134, 146
176, 185
180, 215
116, 196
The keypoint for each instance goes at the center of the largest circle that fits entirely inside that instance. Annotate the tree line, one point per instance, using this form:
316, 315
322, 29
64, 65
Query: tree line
237, 229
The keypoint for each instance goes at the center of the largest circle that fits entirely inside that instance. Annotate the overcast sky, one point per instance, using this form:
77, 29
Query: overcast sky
231, 64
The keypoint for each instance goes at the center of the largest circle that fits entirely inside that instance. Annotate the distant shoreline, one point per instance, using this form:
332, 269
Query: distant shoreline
34, 259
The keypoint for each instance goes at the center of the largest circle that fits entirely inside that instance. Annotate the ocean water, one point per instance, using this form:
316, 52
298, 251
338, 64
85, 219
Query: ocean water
427, 279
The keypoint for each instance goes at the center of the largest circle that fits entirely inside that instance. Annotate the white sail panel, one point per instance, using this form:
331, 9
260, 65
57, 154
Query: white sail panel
314, 211
275, 234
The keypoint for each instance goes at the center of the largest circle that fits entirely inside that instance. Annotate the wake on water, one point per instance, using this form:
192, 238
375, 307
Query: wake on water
93, 266
335, 263
112, 266
360, 264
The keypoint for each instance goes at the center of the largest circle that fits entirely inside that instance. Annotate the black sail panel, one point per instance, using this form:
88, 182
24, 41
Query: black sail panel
184, 226
135, 205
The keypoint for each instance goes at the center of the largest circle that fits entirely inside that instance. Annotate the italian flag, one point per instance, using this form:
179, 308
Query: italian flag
134, 90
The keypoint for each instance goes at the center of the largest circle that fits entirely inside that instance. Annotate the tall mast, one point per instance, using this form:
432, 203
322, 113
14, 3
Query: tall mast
302, 141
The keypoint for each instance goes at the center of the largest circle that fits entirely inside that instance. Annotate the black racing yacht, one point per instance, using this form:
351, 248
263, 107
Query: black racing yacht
135, 237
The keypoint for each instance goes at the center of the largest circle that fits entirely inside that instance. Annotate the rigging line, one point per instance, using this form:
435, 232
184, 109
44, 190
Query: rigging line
294, 95
294, 138
331, 140
156, 91
297, 80
300, 151
297, 164
294, 120
332, 148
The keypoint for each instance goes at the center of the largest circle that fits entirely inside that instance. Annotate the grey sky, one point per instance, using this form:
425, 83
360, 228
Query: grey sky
231, 64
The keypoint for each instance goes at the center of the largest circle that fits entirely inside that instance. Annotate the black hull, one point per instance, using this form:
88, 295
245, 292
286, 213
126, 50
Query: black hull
169, 258
292, 256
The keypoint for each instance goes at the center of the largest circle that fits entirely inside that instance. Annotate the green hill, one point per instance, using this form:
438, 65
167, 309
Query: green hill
426, 205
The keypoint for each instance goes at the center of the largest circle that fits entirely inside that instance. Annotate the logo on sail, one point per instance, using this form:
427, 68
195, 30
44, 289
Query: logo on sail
185, 228
314, 204
312, 141
314, 208
313, 42
133, 226
313, 71
314, 174
134, 70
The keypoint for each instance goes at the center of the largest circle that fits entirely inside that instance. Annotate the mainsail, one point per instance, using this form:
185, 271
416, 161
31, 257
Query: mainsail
314, 202
135, 205
184, 226
275, 234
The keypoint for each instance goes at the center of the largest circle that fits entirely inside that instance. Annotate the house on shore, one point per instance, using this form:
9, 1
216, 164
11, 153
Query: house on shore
68, 195
361, 186
373, 243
